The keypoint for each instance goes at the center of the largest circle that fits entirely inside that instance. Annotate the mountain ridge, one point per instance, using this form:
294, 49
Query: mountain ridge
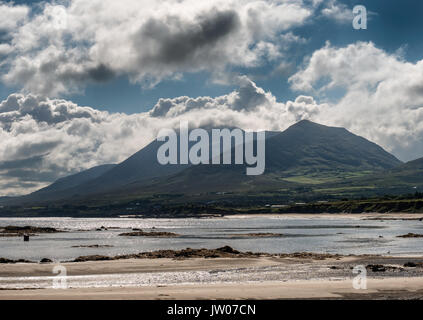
305, 151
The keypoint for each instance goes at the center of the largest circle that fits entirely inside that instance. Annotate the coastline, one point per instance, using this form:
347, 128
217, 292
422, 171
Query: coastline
359, 216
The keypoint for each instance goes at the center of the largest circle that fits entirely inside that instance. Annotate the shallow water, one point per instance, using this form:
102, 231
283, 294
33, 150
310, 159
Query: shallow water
343, 235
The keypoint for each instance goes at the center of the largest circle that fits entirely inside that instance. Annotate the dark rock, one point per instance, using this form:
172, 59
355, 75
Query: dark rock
93, 258
257, 235
376, 267
27, 230
309, 255
46, 260
93, 246
228, 249
411, 235
149, 234
382, 268
4, 260
410, 264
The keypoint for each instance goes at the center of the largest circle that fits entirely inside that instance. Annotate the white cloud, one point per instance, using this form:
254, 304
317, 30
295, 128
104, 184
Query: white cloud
60, 49
382, 95
337, 11
11, 15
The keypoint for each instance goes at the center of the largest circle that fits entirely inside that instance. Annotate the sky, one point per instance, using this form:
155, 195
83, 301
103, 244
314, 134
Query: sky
84, 83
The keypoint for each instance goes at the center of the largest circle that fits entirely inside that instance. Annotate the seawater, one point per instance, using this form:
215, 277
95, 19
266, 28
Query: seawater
342, 235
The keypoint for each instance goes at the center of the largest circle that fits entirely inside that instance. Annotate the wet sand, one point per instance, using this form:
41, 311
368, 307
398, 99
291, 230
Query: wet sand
391, 288
332, 281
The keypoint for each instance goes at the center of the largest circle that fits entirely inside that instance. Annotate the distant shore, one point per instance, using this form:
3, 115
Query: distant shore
367, 215
361, 215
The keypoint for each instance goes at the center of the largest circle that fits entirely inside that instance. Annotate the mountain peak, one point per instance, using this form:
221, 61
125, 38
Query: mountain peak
305, 122
310, 124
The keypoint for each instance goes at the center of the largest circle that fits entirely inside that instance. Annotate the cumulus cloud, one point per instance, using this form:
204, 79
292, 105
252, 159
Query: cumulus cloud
11, 15
60, 48
381, 94
44, 139
337, 11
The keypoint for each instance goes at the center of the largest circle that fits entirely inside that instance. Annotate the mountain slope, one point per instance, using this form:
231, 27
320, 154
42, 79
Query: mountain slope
141, 166
404, 179
60, 188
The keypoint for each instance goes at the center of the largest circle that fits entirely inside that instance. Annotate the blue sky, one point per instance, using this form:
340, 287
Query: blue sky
391, 26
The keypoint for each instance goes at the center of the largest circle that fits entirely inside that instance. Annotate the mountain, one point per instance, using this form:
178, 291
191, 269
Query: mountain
308, 147
305, 153
61, 187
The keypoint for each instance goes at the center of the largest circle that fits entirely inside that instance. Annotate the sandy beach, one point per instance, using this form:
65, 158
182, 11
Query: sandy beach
319, 279
405, 288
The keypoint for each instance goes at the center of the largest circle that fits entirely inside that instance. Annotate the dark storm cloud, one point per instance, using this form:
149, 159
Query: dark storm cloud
101, 73
18, 185
178, 41
22, 163
30, 175
31, 169
86, 72
33, 149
